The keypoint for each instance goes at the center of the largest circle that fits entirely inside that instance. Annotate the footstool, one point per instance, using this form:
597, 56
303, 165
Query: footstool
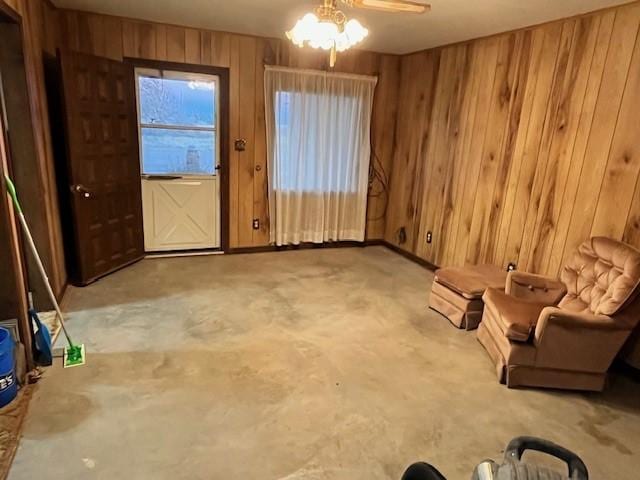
457, 292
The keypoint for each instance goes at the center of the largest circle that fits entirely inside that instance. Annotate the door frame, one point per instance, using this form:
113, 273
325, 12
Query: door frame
223, 173
17, 265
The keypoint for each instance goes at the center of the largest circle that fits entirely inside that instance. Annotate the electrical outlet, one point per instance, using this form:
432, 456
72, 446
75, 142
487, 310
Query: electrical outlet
511, 267
429, 237
256, 224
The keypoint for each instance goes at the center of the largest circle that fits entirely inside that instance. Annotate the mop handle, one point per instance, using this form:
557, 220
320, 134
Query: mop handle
14, 196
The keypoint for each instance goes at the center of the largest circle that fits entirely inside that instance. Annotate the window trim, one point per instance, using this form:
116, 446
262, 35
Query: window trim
170, 73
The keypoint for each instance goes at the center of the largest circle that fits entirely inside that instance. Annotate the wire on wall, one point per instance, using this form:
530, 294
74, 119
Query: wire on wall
378, 185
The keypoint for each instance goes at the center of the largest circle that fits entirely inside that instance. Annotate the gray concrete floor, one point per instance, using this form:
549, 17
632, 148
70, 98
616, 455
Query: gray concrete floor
311, 364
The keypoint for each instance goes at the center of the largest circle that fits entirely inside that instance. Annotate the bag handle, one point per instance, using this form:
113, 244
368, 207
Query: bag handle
517, 446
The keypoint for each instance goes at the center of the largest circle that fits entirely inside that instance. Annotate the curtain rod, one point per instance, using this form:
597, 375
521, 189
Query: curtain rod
308, 71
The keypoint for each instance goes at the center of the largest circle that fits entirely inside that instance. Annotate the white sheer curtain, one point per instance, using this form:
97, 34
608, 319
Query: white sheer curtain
318, 142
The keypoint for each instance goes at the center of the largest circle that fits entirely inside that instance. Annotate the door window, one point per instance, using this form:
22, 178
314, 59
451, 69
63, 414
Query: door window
177, 120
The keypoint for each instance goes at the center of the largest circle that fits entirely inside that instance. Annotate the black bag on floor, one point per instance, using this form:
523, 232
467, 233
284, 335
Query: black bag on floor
512, 467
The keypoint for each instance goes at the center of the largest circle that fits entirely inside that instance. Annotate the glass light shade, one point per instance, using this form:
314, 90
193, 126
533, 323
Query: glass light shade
303, 29
326, 34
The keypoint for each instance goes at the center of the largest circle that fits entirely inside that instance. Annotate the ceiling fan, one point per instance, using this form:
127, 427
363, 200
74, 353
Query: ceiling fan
392, 6
328, 28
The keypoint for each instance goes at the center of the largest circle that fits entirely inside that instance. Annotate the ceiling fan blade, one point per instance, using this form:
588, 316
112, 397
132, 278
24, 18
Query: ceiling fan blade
399, 6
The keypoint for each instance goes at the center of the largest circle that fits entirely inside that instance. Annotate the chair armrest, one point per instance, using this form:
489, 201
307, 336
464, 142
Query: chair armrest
578, 341
575, 321
537, 288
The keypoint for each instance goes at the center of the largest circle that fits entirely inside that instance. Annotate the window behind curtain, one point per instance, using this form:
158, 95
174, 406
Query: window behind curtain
318, 147
290, 107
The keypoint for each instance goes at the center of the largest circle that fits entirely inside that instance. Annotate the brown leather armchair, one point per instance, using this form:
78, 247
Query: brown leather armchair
564, 334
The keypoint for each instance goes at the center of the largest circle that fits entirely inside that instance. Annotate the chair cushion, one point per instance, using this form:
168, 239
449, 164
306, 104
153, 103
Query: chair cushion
601, 277
471, 281
516, 317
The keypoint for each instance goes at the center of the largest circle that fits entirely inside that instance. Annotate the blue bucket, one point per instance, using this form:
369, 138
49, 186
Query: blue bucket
8, 383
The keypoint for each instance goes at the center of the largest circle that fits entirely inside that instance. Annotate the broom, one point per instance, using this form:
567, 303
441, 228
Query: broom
74, 355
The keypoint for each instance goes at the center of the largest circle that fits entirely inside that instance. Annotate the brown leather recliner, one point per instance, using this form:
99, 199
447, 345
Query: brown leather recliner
564, 334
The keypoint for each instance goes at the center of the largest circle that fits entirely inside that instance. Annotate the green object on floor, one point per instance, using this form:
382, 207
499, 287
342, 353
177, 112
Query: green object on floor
74, 355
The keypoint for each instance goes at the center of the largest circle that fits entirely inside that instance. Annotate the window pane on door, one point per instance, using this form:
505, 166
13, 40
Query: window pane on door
169, 151
180, 102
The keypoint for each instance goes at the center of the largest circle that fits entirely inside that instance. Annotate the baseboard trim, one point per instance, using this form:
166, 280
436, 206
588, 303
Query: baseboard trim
303, 246
410, 256
344, 244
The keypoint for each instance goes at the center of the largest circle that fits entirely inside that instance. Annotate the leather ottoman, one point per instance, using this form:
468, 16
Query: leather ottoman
457, 292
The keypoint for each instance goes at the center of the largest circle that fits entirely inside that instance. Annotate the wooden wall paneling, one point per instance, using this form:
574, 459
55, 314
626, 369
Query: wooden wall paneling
414, 108
313, 59
129, 39
175, 44
546, 139
220, 49
424, 117
37, 164
13, 295
234, 133
500, 153
33, 44
517, 163
260, 185
518, 89
382, 143
615, 74
632, 229
51, 25
192, 46
557, 161
440, 158
398, 215
501, 100
97, 33
205, 47
113, 44
69, 30
91, 34
144, 40
531, 143
476, 55
487, 79
161, 41
564, 130
245, 165
605, 29
432, 153
623, 167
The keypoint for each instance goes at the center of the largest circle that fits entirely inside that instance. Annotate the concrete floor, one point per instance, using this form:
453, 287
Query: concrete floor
311, 364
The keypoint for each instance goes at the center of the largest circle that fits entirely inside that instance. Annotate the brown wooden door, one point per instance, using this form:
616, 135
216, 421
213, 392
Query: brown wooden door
103, 168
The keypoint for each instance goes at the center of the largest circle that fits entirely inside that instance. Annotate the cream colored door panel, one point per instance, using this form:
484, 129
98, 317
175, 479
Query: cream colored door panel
180, 214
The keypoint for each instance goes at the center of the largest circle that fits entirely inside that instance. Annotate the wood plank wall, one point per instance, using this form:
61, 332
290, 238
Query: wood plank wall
245, 56
517, 147
39, 35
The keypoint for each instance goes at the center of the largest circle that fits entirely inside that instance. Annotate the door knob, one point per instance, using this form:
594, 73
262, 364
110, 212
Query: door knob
82, 190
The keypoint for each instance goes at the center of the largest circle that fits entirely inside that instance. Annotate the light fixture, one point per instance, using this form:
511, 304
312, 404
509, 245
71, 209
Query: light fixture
327, 29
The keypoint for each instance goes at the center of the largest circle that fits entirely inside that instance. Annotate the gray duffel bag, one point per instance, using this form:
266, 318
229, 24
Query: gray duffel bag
513, 468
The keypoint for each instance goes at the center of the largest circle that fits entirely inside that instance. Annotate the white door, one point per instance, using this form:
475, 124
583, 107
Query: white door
177, 213
179, 150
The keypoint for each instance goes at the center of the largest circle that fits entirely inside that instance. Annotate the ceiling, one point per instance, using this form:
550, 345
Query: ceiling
449, 20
